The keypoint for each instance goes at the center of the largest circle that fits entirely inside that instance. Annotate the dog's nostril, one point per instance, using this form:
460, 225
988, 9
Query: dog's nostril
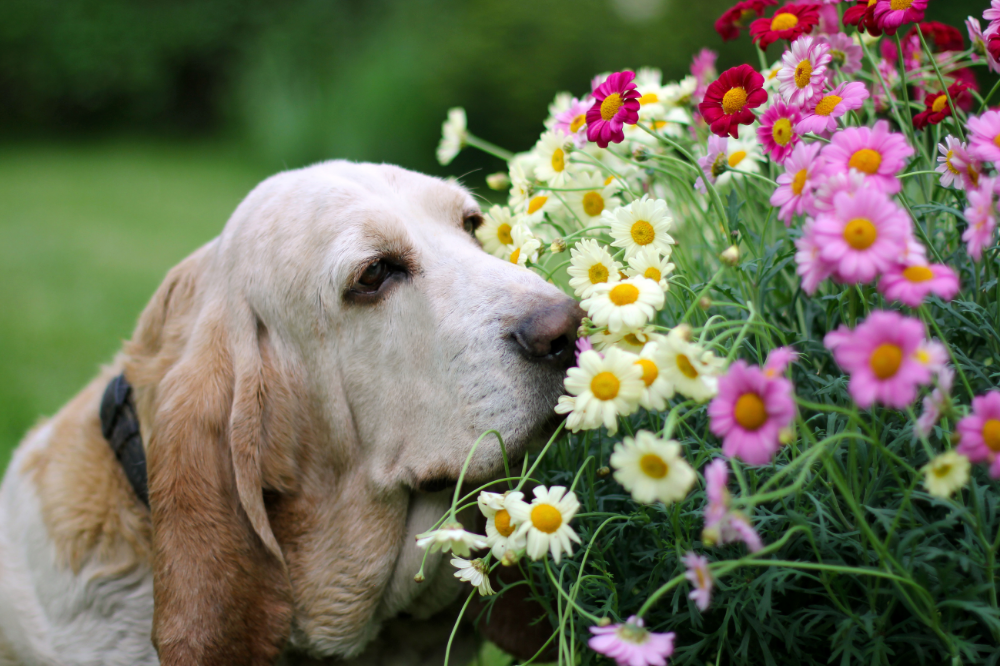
549, 333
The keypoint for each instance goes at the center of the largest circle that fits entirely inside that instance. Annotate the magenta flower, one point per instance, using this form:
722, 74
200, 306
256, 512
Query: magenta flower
881, 357
910, 285
573, 121
984, 136
890, 14
778, 360
803, 70
794, 193
822, 116
722, 525
981, 217
935, 403
630, 644
979, 432
809, 264
616, 102
777, 130
862, 236
874, 151
714, 163
844, 53
749, 412
701, 578
957, 167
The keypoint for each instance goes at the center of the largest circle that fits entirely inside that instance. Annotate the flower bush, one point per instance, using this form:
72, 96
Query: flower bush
777, 266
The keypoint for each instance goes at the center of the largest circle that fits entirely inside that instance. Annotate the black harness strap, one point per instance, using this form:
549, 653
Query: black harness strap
120, 426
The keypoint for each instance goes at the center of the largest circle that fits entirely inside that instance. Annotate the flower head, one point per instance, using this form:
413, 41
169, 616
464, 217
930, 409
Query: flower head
910, 285
652, 469
937, 106
809, 263
890, 14
979, 41
802, 76
573, 121
630, 644
874, 151
475, 572
602, 387
729, 99
881, 357
794, 193
545, 522
981, 214
692, 370
701, 578
789, 22
658, 388
979, 432
845, 55
723, 525
934, 404
499, 526
946, 474
957, 167
626, 304
552, 163
862, 15
616, 102
494, 232
737, 17
644, 223
984, 136
453, 537
777, 131
750, 411
453, 136
591, 196
524, 246
822, 115
714, 163
649, 263
590, 265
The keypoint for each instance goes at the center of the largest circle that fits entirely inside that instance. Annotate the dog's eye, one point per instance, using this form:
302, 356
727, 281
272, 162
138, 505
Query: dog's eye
373, 276
472, 222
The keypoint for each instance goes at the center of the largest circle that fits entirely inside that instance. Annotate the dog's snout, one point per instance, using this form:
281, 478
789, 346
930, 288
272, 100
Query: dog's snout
548, 333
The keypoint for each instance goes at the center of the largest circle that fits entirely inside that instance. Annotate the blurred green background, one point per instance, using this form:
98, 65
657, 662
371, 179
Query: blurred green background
130, 130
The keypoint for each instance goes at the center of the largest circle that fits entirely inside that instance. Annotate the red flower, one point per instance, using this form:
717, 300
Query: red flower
616, 102
735, 18
940, 37
862, 15
993, 46
729, 100
938, 107
789, 23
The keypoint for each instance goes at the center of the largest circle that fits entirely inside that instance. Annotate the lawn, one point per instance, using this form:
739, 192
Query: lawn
87, 232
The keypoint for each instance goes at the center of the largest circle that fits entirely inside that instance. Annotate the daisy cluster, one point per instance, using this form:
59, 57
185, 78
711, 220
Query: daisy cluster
657, 206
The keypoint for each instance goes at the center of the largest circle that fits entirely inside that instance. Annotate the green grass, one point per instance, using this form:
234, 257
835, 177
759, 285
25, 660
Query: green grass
87, 233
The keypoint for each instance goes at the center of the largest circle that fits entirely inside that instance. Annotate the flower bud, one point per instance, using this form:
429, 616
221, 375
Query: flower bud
419, 578
786, 436
604, 622
731, 256
684, 331
509, 559
498, 181
603, 471
640, 154
704, 302
558, 245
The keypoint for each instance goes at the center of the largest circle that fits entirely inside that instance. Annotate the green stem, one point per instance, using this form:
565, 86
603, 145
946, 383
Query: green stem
487, 147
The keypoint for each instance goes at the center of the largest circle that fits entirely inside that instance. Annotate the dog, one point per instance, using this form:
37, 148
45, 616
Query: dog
307, 387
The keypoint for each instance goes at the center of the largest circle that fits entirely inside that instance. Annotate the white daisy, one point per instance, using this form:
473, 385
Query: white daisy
643, 223
499, 526
658, 388
771, 83
475, 572
628, 304
653, 100
594, 195
601, 389
652, 469
649, 263
535, 208
946, 474
453, 537
679, 94
692, 370
545, 522
630, 340
453, 136
742, 154
494, 232
552, 163
521, 185
590, 265
524, 247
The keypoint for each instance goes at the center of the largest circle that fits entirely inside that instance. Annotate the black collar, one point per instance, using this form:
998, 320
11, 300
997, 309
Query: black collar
120, 426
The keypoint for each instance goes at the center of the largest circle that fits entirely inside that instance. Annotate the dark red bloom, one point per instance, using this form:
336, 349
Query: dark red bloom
789, 22
734, 19
966, 77
993, 46
862, 15
940, 37
729, 99
938, 107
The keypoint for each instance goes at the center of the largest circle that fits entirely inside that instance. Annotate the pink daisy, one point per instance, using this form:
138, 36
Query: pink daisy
616, 102
701, 578
862, 236
778, 360
890, 14
978, 41
715, 162
984, 136
979, 432
777, 130
845, 55
957, 167
933, 355
993, 13
910, 285
749, 412
874, 151
803, 70
794, 193
809, 264
573, 121
981, 218
822, 116
934, 404
880, 355
722, 525
630, 644
850, 182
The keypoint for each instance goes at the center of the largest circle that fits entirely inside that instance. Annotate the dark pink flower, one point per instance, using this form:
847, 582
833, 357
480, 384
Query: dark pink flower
910, 285
777, 132
979, 432
749, 412
616, 102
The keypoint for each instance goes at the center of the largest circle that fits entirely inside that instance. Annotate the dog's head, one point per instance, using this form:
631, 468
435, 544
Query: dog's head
306, 382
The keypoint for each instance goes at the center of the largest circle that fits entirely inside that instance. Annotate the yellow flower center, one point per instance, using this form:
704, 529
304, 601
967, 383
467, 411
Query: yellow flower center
803, 74
991, 434
558, 160
734, 100
941, 470
598, 273
947, 163
996, 141
632, 340
973, 175
781, 132
918, 273
866, 160
605, 386
609, 180
535, 204
642, 232
503, 234
939, 103
719, 165
501, 521
648, 98
799, 182
593, 203
838, 56
860, 233
900, 5
653, 466
784, 21
827, 105
684, 365
653, 274
885, 360
578, 122
515, 255
749, 411
736, 158
610, 106
546, 518
624, 294
649, 371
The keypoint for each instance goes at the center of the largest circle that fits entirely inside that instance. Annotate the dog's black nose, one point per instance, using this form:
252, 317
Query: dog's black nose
548, 333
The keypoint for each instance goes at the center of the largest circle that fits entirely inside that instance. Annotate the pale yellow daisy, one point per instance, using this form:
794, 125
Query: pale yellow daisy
743, 156
644, 223
552, 163
453, 537
453, 136
499, 527
494, 232
475, 572
593, 195
658, 388
629, 304
524, 246
545, 522
521, 171
601, 388
652, 469
649, 263
692, 370
630, 340
946, 474
590, 265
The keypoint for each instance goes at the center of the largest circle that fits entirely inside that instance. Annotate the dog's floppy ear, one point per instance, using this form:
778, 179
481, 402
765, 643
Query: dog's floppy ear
221, 589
